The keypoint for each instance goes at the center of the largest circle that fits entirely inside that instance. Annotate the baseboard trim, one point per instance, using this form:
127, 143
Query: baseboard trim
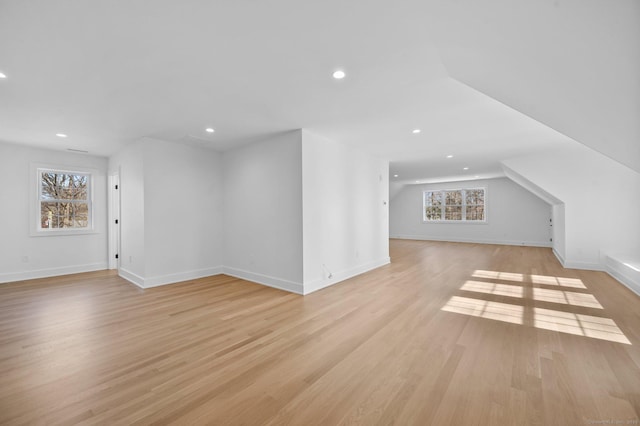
472, 240
343, 275
131, 277
613, 268
626, 281
587, 266
558, 256
168, 279
267, 280
181, 276
51, 272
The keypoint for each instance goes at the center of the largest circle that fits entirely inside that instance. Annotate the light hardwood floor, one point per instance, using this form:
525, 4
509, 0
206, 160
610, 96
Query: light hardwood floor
448, 334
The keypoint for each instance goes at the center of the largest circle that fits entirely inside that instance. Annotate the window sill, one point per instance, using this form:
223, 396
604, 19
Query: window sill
456, 222
61, 233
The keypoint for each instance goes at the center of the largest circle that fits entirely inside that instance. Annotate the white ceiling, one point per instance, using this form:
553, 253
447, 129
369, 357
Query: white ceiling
109, 73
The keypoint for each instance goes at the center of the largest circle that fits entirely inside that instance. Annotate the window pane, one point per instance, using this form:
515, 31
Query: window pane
48, 215
453, 198
64, 215
63, 186
475, 212
474, 196
433, 198
453, 213
433, 213
49, 187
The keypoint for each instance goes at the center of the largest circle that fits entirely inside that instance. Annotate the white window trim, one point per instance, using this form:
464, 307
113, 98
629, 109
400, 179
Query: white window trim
458, 222
35, 229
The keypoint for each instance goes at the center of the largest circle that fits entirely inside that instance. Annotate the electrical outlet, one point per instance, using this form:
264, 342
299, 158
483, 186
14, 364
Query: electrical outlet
25, 259
130, 259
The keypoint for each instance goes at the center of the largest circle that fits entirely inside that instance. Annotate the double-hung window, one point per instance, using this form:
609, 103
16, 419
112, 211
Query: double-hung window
454, 205
64, 201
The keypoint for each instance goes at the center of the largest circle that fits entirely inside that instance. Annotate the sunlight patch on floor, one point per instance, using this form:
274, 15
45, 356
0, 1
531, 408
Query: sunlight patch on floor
579, 324
566, 298
559, 281
493, 288
536, 279
495, 275
485, 309
544, 319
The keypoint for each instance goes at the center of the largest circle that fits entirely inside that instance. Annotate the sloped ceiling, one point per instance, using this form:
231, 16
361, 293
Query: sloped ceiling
111, 72
573, 65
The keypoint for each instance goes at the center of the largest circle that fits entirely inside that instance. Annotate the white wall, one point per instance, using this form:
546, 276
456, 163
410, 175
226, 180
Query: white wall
182, 212
188, 212
46, 255
262, 206
515, 216
601, 201
171, 214
345, 208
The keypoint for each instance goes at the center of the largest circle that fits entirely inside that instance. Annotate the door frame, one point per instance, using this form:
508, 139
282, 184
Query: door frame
114, 220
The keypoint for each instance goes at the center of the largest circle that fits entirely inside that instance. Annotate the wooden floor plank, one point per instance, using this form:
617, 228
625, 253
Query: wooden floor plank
448, 333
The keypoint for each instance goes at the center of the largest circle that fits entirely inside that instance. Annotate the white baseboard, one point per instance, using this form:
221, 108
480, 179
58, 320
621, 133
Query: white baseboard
587, 266
558, 256
473, 240
181, 276
632, 285
169, 278
267, 280
51, 272
191, 275
569, 264
131, 277
343, 275
625, 275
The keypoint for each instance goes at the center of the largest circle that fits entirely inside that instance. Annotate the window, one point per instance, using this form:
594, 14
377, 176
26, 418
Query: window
64, 201
455, 205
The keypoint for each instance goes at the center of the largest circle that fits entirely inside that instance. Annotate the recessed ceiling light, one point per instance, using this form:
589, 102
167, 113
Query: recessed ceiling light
3, 75
61, 135
476, 177
417, 181
210, 129
465, 168
395, 175
416, 131
339, 75
449, 156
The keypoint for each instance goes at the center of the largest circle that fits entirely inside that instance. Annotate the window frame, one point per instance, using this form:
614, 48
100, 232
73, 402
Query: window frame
464, 206
36, 228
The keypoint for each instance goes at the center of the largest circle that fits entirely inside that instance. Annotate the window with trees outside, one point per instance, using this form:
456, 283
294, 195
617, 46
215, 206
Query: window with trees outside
454, 205
64, 200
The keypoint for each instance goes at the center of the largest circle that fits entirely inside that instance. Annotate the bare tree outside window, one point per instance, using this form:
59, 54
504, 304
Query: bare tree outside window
64, 199
465, 205
474, 202
433, 205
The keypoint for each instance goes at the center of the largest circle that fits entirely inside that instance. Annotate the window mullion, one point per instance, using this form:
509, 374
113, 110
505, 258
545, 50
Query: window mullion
463, 194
